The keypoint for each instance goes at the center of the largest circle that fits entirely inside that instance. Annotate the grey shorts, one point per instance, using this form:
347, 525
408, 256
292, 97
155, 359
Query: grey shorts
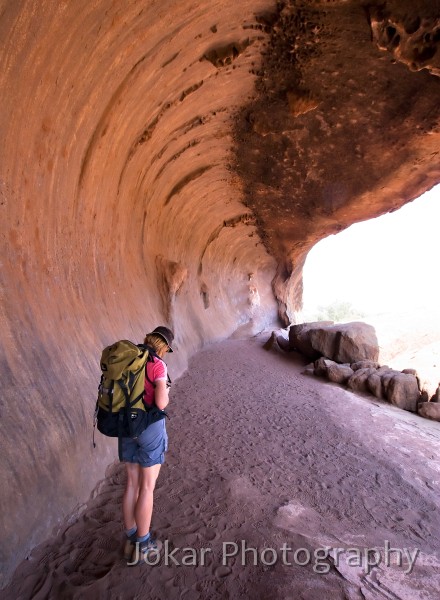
148, 449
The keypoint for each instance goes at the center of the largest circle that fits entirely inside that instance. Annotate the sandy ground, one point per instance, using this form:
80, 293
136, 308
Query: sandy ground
266, 458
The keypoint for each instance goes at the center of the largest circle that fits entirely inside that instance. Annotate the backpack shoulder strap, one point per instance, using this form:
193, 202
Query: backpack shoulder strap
150, 358
151, 355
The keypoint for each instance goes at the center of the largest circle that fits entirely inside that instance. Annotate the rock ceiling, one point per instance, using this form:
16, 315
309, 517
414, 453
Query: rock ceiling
345, 126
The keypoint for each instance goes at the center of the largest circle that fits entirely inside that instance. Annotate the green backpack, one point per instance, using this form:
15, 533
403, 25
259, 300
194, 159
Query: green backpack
120, 409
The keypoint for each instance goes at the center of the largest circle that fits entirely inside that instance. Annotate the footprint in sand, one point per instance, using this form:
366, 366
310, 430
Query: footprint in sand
107, 544
191, 511
77, 580
222, 571
219, 524
241, 489
208, 533
207, 587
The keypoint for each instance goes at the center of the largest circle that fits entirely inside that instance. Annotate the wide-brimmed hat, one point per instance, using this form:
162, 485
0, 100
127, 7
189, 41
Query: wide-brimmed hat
166, 334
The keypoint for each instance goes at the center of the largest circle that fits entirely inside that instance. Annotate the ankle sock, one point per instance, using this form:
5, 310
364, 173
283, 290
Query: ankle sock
131, 532
143, 538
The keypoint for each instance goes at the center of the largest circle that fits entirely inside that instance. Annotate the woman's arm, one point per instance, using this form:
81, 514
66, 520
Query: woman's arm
161, 394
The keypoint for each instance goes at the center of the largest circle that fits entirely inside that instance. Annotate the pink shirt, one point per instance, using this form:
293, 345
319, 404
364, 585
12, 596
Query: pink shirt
156, 370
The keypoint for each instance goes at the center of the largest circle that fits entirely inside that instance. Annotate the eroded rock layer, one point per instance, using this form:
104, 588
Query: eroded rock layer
119, 212
161, 161
345, 126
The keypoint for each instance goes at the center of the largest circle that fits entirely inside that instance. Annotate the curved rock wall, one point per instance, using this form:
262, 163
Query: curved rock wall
173, 162
119, 212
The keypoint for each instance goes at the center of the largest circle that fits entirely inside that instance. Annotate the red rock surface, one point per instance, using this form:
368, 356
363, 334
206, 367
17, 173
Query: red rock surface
160, 162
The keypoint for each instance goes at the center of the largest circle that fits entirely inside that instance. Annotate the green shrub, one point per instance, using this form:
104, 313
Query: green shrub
338, 311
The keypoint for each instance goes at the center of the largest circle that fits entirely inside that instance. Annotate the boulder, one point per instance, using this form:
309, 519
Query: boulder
430, 410
410, 372
403, 391
420, 383
283, 343
424, 395
339, 373
428, 386
310, 371
322, 365
436, 396
386, 375
342, 342
299, 338
358, 381
271, 341
374, 385
345, 342
365, 364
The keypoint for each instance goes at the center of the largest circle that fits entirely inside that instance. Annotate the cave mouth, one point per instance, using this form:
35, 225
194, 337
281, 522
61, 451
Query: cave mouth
382, 271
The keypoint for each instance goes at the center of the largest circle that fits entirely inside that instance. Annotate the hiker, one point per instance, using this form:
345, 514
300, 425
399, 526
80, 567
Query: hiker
144, 455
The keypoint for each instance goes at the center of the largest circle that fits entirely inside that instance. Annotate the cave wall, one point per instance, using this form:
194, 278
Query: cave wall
173, 162
120, 211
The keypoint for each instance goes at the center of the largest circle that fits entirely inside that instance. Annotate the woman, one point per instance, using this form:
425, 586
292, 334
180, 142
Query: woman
143, 456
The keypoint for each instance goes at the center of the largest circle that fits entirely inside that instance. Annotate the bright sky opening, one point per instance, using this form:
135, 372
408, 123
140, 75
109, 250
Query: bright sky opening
382, 265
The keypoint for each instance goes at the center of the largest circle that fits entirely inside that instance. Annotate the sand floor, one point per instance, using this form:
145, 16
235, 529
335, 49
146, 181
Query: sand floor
278, 469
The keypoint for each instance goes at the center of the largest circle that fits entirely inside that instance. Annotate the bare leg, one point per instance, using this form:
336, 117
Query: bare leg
144, 504
131, 494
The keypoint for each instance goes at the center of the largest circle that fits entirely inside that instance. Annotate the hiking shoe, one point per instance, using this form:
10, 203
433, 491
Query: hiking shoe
129, 547
145, 551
